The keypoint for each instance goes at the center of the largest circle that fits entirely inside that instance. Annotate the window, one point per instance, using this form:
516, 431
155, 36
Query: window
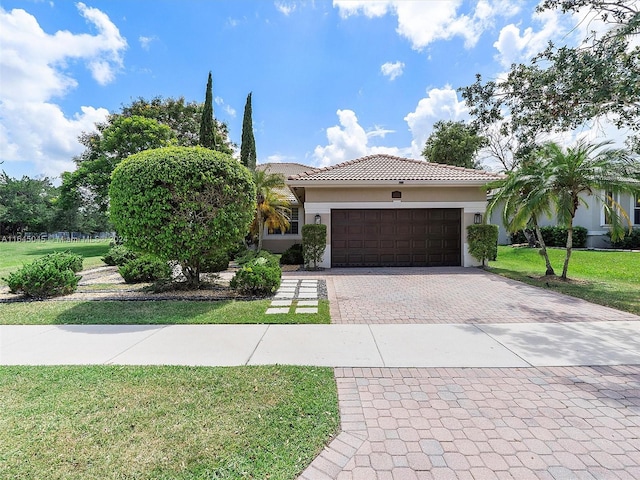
293, 224
636, 211
609, 200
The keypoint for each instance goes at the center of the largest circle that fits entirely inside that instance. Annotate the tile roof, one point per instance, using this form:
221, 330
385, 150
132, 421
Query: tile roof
286, 169
382, 167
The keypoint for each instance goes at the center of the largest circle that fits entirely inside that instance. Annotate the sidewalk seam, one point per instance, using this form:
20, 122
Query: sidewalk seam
375, 342
479, 327
108, 362
253, 352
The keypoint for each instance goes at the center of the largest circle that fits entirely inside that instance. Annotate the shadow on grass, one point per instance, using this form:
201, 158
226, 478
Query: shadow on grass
83, 249
144, 313
619, 296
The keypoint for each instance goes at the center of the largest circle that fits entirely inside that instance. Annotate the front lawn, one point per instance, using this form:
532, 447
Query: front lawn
15, 254
608, 278
54, 312
108, 422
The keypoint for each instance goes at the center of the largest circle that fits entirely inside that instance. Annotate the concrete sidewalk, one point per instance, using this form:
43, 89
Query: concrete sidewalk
477, 345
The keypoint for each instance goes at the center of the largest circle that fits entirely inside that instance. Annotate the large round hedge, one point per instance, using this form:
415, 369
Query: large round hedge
182, 203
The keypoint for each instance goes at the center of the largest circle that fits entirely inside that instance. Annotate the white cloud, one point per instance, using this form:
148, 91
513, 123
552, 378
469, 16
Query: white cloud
515, 47
425, 22
349, 140
145, 42
34, 71
346, 141
392, 70
227, 108
284, 8
439, 104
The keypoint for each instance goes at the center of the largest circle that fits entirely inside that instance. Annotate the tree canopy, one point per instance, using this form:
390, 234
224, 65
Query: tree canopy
453, 143
564, 87
26, 204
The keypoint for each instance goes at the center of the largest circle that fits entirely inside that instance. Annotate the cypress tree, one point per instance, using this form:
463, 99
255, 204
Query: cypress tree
207, 135
248, 146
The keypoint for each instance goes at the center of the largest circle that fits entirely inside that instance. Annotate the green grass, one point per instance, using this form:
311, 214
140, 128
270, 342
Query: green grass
15, 254
604, 277
108, 422
151, 313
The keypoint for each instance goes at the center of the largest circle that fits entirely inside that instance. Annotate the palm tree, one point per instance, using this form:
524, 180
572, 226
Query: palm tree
272, 206
587, 169
523, 202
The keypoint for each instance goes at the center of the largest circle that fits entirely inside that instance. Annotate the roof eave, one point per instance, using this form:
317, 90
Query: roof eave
386, 183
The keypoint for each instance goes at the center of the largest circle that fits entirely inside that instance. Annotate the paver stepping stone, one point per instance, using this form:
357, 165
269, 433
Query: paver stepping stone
280, 295
281, 303
307, 310
287, 289
308, 290
271, 311
308, 295
308, 303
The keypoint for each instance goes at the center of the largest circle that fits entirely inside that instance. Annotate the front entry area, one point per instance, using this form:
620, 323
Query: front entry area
419, 237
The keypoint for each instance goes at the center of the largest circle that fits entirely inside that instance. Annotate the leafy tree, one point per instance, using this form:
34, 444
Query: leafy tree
565, 87
213, 134
314, 243
587, 169
272, 207
453, 143
26, 204
248, 145
182, 117
182, 203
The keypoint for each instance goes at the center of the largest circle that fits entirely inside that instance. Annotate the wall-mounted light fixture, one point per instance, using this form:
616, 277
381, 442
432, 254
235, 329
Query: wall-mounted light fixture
477, 218
317, 219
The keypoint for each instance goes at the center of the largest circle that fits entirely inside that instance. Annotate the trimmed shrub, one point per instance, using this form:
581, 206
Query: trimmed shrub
51, 275
314, 242
483, 242
179, 203
260, 276
215, 262
118, 255
630, 240
252, 255
146, 268
292, 255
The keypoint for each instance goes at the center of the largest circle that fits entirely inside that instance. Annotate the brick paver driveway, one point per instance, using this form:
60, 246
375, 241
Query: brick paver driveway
450, 295
554, 423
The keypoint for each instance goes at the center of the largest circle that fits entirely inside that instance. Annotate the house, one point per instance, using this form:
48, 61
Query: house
590, 215
382, 210
278, 242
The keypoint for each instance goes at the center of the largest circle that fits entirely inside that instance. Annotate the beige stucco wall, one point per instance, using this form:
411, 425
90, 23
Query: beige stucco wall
383, 194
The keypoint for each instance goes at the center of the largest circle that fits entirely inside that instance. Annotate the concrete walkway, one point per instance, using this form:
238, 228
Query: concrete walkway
409, 345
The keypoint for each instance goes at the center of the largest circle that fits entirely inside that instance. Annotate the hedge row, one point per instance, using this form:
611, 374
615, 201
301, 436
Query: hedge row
555, 237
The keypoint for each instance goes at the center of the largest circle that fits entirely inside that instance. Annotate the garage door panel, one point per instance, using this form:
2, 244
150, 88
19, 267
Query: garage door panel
396, 237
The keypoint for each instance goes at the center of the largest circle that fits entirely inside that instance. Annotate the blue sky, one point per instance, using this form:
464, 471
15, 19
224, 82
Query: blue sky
331, 81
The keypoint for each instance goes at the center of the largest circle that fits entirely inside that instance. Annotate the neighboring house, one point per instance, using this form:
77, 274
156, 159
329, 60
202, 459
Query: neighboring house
589, 215
382, 210
278, 242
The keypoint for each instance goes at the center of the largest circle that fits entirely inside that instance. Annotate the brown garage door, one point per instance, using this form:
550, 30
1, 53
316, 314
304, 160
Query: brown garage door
396, 238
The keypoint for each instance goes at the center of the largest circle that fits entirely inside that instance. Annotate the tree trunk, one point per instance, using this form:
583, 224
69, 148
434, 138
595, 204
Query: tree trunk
192, 275
260, 229
543, 248
569, 247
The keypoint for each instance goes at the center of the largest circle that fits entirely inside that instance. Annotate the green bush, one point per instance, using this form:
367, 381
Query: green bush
180, 202
556, 236
118, 255
252, 255
260, 276
630, 240
51, 275
314, 242
483, 242
292, 255
145, 268
215, 262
